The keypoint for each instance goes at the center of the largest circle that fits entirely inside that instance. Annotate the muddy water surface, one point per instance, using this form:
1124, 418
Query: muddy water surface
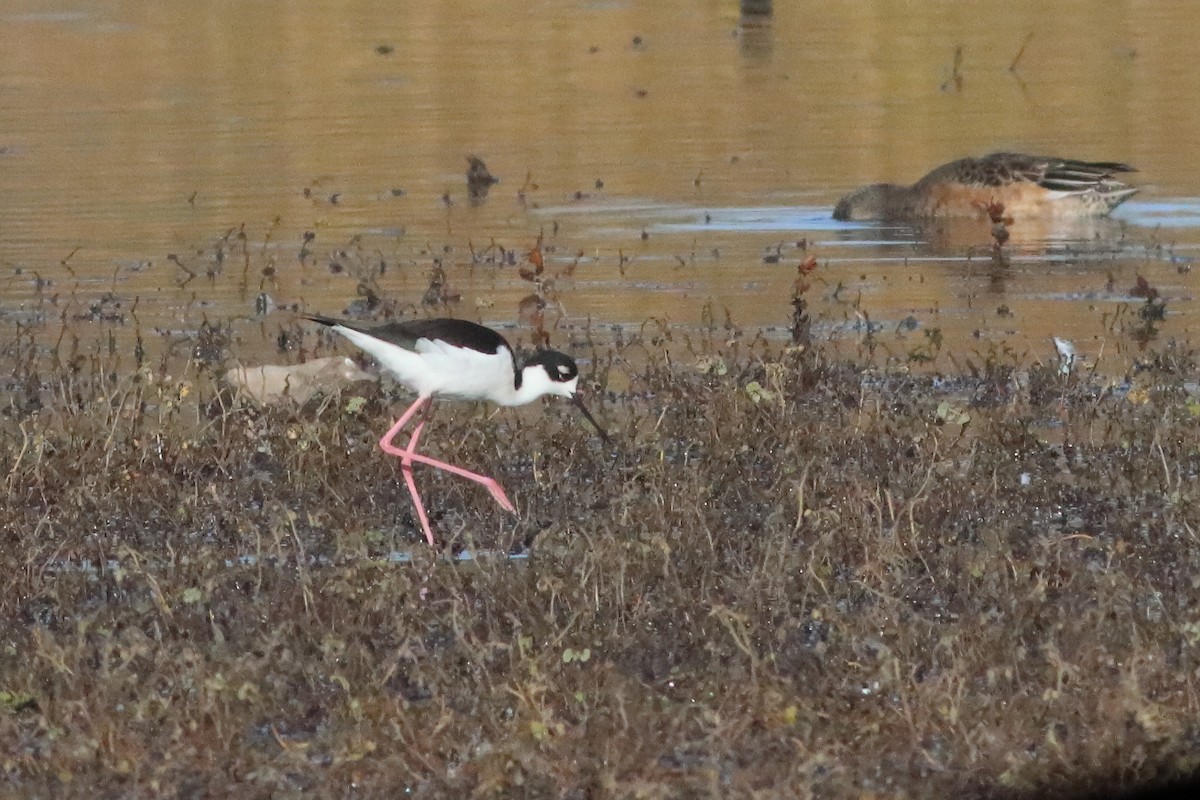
161, 166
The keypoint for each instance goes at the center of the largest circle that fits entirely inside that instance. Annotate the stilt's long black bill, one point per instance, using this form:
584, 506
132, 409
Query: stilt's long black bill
578, 401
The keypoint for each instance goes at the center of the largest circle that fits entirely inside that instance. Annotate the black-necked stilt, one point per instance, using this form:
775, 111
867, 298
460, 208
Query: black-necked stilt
459, 359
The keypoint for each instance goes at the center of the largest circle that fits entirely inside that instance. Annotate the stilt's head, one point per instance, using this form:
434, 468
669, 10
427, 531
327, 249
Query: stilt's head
555, 373
549, 372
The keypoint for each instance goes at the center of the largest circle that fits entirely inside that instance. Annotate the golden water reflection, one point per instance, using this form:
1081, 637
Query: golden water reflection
671, 156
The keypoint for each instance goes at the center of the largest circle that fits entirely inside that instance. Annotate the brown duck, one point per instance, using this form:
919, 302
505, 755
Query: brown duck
1027, 186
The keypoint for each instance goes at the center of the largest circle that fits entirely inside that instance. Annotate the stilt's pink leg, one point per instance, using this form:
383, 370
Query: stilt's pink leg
406, 460
409, 455
386, 441
406, 468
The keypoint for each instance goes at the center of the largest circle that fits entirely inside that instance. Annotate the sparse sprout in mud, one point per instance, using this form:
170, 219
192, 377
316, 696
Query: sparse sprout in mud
929, 348
577, 656
479, 179
305, 253
532, 308
108, 308
1020, 53
537, 263
1000, 220
494, 253
801, 320
1066, 355
1154, 310
17, 702
368, 296
191, 274
757, 394
756, 8
951, 414
1142, 288
528, 186
712, 365
955, 82
439, 292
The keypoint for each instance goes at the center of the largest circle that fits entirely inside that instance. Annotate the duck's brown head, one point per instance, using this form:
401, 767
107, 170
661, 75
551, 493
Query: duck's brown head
874, 202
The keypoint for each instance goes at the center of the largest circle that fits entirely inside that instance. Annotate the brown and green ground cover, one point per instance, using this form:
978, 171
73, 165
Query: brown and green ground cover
791, 575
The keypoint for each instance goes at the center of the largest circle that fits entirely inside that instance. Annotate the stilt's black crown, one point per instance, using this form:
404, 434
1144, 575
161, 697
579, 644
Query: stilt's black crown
559, 366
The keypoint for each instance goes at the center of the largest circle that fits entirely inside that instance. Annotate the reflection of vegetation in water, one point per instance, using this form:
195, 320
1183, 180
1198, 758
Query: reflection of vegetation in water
790, 573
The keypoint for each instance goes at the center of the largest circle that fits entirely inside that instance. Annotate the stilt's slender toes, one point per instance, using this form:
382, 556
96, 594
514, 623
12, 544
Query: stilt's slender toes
498, 493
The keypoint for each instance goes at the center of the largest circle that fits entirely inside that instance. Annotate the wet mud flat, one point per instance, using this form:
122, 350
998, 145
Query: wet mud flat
791, 575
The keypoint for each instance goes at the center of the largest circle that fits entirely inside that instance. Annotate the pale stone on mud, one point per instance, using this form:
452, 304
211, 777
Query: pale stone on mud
270, 383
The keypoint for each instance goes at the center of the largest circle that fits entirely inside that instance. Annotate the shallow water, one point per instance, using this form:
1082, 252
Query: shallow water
672, 155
